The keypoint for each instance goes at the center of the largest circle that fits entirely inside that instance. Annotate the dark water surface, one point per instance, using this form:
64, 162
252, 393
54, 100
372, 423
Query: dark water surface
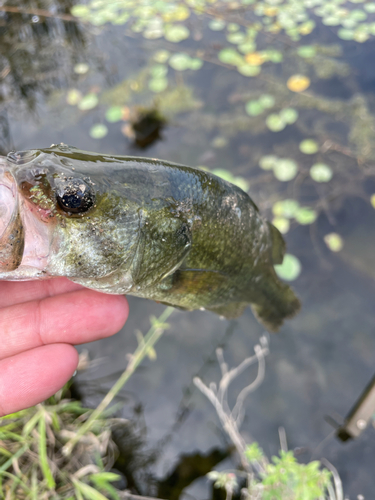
320, 361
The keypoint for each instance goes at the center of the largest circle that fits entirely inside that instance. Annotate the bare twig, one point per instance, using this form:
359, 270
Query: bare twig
231, 419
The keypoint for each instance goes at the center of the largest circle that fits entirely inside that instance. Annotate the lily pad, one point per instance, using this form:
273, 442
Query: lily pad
73, 97
236, 38
180, 61
230, 56
334, 242
161, 56
286, 208
309, 147
321, 172
268, 162
306, 51
89, 101
281, 224
345, 34
158, 84
285, 170
305, 215
290, 269
275, 123
248, 70
267, 101
98, 131
217, 24
254, 108
113, 114
289, 115
176, 33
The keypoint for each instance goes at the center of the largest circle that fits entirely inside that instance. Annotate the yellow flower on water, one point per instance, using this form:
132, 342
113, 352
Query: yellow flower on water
180, 13
373, 200
274, 28
271, 11
298, 83
255, 58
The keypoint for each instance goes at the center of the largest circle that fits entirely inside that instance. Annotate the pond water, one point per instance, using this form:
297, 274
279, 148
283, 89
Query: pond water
280, 96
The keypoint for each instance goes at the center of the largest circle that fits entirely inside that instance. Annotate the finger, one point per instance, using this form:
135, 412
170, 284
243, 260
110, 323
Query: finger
16, 292
33, 376
72, 318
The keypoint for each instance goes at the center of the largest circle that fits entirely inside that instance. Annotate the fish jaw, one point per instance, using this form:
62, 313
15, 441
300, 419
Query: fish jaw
24, 238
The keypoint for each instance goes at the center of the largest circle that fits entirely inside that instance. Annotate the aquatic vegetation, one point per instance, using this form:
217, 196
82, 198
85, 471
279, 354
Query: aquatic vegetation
290, 269
282, 477
334, 242
321, 172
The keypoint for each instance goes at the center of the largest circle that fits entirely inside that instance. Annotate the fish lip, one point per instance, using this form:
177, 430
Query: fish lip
8, 197
11, 226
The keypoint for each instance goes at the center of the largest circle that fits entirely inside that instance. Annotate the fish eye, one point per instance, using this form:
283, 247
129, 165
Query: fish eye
75, 196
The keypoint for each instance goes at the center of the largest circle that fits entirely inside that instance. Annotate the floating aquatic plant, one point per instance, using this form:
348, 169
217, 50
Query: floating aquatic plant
334, 242
290, 269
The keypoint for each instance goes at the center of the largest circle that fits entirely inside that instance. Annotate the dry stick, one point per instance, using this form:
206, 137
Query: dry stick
142, 350
231, 420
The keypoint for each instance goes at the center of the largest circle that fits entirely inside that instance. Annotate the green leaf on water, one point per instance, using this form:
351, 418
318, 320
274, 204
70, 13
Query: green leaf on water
247, 47
236, 38
196, 63
113, 114
98, 131
289, 115
241, 183
309, 147
305, 215
254, 108
216, 24
275, 123
282, 224
267, 101
334, 242
161, 56
158, 70
290, 269
158, 84
286, 208
306, 51
230, 56
180, 61
285, 170
73, 97
224, 174
89, 101
176, 33
345, 34
268, 162
370, 7
248, 69
321, 172
232, 27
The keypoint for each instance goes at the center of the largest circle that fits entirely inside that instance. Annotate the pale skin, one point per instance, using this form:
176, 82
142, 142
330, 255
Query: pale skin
40, 321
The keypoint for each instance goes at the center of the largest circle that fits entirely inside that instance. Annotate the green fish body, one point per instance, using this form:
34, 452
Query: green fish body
140, 226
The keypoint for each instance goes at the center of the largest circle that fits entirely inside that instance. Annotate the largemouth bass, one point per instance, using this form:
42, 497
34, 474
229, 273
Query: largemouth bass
143, 227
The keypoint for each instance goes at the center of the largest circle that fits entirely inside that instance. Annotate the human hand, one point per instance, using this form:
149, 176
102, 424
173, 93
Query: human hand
39, 322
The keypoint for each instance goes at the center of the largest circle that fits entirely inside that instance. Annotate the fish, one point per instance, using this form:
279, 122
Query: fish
140, 226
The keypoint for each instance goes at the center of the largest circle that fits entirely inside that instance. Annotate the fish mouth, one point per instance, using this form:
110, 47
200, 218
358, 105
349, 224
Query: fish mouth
12, 238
